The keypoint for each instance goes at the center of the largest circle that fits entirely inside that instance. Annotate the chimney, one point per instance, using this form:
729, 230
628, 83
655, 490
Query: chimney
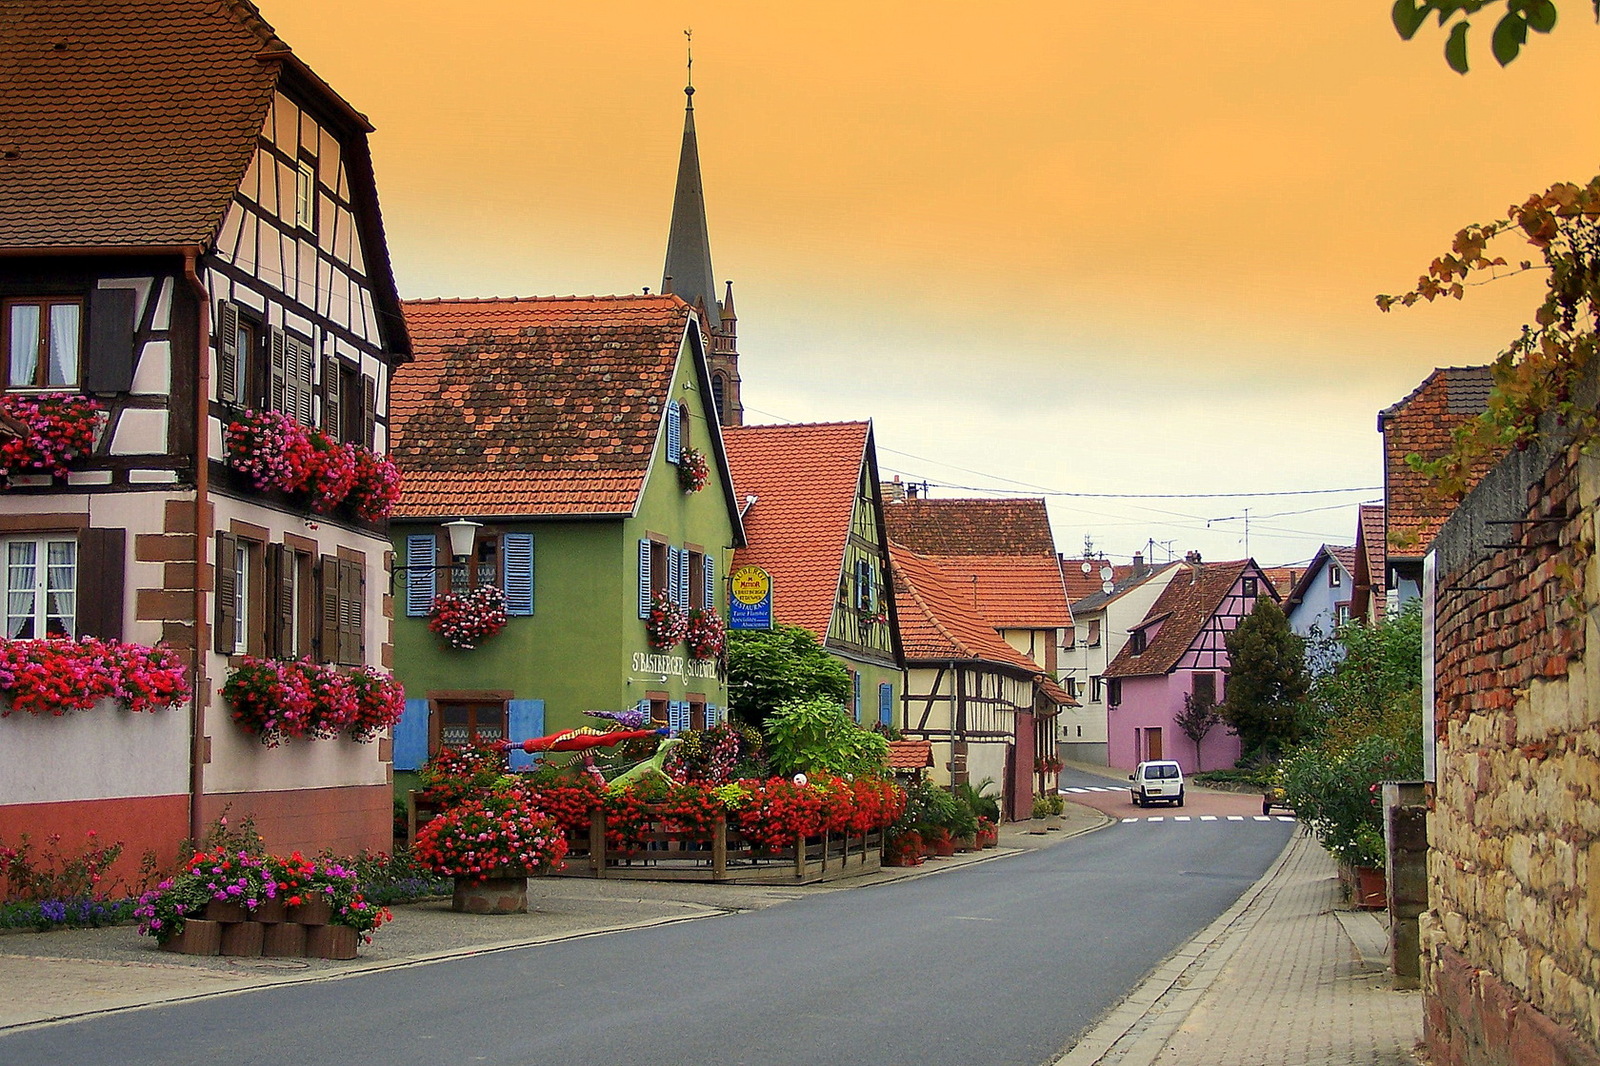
892, 491
1138, 564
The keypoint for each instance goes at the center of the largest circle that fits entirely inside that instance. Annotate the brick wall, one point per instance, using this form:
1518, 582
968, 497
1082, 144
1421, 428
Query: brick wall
1511, 939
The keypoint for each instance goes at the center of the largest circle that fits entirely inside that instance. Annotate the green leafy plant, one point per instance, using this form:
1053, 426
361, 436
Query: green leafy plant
807, 736
1337, 793
984, 804
1510, 30
768, 669
1266, 681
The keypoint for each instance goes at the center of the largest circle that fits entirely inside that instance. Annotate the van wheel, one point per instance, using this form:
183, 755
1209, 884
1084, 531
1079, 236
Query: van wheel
1180, 798
1138, 800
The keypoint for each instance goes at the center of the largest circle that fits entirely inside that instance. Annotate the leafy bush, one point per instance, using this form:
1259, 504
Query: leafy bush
817, 735
1336, 793
984, 804
768, 669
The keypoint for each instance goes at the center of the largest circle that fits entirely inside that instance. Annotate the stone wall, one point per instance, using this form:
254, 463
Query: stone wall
1511, 940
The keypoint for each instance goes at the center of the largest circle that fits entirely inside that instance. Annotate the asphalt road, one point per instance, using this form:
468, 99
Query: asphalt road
1001, 963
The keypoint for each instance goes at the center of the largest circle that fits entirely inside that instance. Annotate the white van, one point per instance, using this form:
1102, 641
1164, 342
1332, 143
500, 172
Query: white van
1158, 780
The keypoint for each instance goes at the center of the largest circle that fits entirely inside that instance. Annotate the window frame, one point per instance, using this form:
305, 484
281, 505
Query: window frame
40, 591
1138, 641
474, 705
42, 354
1335, 579
305, 195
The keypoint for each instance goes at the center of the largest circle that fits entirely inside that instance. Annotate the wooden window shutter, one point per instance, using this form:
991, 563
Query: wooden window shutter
352, 602
332, 411
228, 352
328, 609
422, 552
369, 412
280, 618
675, 568
225, 618
524, 720
516, 572
644, 579
674, 433
109, 365
278, 385
678, 716
886, 704
101, 560
710, 568
411, 736
298, 370
855, 694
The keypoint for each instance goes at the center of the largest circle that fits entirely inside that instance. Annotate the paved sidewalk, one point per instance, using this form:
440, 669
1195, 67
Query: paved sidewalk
1284, 978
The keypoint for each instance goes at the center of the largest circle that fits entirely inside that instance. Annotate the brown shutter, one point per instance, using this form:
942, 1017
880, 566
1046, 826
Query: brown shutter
101, 564
278, 398
332, 409
328, 598
298, 370
280, 616
352, 599
227, 352
109, 365
369, 411
225, 618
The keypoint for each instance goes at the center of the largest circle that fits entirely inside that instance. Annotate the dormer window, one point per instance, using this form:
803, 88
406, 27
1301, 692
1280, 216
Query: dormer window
1137, 642
1334, 580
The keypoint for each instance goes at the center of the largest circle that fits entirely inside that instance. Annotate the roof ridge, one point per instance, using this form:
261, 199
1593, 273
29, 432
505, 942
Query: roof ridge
799, 425
618, 297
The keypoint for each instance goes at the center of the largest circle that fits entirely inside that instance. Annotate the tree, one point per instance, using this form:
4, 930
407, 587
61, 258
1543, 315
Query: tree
1374, 686
1199, 717
1266, 681
787, 664
1510, 31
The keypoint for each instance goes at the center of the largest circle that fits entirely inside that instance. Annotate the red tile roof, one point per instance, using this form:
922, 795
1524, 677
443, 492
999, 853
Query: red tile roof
804, 478
1344, 556
536, 406
1080, 584
1012, 591
1283, 578
971, 526
1421, 424
1186, 604
910, 754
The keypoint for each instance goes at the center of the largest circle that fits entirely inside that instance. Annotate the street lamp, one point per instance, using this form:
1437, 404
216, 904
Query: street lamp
463, 534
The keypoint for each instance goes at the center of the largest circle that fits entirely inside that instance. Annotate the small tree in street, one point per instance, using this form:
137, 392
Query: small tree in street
1266, 681
770, 668
1199, 717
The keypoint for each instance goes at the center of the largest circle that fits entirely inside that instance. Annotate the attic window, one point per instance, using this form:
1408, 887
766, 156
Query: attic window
305, 195
1137, 642
1334, 579
1250, 588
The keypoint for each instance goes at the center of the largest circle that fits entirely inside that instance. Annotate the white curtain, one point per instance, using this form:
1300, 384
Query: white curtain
21, 580
24, 343
63, 344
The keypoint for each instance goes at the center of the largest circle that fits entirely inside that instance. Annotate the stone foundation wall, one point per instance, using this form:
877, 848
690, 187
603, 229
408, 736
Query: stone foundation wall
1511, 940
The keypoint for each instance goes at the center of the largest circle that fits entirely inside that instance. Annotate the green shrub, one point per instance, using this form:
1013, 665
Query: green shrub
1337, 794
817, 735
984, 804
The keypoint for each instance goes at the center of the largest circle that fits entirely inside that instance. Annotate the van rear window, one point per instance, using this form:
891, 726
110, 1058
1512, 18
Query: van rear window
1168, 770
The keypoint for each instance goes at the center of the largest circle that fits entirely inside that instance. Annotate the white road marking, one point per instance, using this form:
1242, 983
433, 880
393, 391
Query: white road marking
1208, 817
1235, 817
1074, 790
1284, 818
1125, 821
1156, 818
1262, 818
1181, 818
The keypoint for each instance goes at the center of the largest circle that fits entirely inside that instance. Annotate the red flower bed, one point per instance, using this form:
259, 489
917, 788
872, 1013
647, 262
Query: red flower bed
53, 675
62, 425
502, 834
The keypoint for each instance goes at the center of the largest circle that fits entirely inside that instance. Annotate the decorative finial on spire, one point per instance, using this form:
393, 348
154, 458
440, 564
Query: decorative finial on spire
688, 36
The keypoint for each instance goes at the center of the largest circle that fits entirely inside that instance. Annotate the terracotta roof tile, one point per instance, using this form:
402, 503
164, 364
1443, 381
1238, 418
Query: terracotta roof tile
1185, 604
910, 754
132, 122
1011, 591
533, 406
971, 526
804, 478
1346, 558
1283, 578
1080, 584
1421, 424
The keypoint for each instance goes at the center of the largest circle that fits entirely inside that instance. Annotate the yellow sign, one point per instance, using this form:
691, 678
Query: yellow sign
751, 585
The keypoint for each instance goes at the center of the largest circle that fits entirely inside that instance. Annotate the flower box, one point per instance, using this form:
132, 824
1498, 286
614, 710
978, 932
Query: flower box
284, 940
315, 912
330, 942
198, 937
242, 939
466, 619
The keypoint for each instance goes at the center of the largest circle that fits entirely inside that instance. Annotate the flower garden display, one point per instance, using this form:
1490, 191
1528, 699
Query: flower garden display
668, 624
236, 902
53, 675
62, 429
693, 470
706, 633
287, 699
455, 774
279, 454
499, 837
467, 619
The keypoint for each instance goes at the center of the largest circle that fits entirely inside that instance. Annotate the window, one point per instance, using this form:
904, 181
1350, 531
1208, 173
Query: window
1334, 578
41, 587
459, 722
697, 713
1250, 586
1341, 613
483, 565
239, 620
1094, 633
1137, 642
697, 588
262, 367
1205, 688
305, 195
288, 591
43, 342
1096, 688
1071, 685
344, 411
866, 587
718, 390
1114, 692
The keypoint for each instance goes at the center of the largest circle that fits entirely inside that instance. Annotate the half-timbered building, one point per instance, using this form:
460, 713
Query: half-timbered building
1179, 649
987, 709
189, 231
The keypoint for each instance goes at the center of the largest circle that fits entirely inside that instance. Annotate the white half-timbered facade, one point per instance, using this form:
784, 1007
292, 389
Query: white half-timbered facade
212, 246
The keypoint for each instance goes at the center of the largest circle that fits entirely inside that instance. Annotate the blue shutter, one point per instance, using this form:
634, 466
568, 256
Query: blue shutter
678, 716
683, 577
863, 585
526, 719
855, 694
644, 708
422, 553
644, 579
411, 736
517, 552
712, 721
711, 582
886, 704
674, 433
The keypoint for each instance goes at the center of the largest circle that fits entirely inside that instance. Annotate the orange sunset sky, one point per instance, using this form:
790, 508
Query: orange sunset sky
1042, 245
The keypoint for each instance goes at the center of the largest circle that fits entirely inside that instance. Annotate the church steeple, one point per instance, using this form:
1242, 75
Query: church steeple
688, 271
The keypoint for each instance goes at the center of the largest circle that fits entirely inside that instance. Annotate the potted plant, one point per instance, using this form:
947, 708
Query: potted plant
988, 834
491, 846
1040, 814
903, 848
667, 624
693, 470
1058, 807
466, 619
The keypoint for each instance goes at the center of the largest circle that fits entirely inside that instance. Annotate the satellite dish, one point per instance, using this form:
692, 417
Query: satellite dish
1106, 587
1087, 569
1105, 574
